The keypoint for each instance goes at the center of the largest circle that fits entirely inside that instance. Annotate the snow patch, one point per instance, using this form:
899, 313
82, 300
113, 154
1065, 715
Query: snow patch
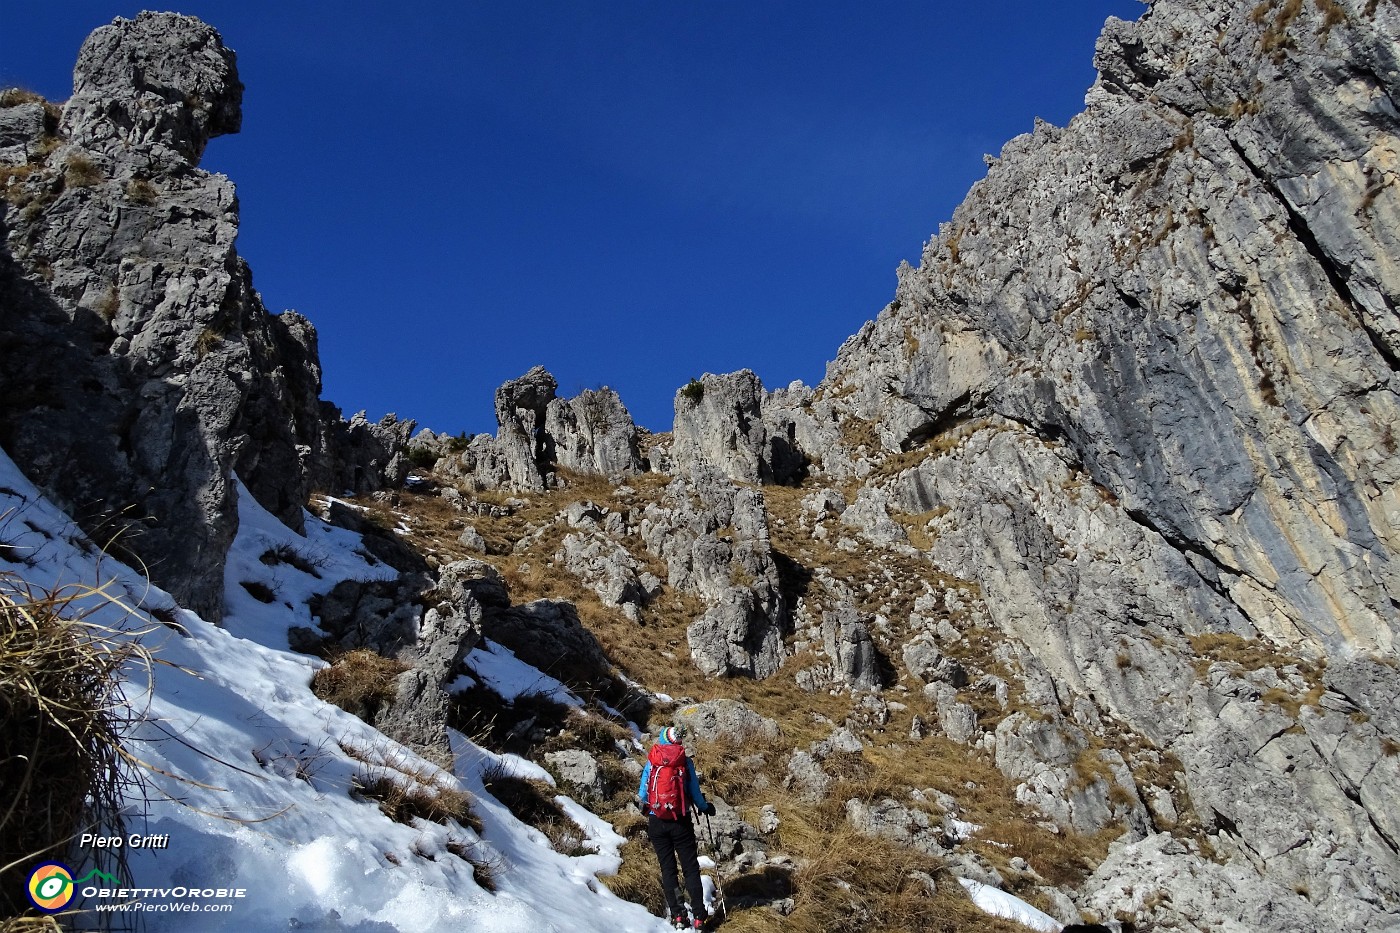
1008, 907
263, 800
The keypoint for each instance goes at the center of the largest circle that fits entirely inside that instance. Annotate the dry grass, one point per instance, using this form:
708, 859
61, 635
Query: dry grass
14, 96
497, 724
30, 925
359, 682
486, 868
1275, 39
62, 768
1253, 654
407, 790
19, 172
740, 769
1291, 703
859, 433
404, 798
916, 525
856, 882
109, 303
208, 341
638, 879
141, 191
1333, 15
532, 802
82, 172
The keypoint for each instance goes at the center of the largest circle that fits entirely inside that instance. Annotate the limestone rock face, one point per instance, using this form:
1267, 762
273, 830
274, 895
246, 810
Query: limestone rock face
138, 367
720, 420
889, 819
537, 431
593, 433
1197, 299
1158, 878
370, 456
163, 84
1142, 390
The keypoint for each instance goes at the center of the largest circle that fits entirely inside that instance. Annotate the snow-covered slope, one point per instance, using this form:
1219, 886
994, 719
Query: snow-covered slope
247, 774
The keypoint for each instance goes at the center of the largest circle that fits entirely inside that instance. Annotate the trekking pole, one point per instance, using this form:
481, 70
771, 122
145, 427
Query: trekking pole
714, 854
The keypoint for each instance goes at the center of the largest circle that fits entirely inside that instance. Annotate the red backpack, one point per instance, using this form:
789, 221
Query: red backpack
666, 788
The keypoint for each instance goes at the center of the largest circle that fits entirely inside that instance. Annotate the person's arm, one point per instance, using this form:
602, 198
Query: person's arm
692, 786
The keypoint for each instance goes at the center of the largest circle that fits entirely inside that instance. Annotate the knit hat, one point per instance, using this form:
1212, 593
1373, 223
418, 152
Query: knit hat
673, 735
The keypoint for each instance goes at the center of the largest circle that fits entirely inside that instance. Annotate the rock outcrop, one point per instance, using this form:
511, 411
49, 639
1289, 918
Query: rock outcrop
720, 420
1157, 350
1197, 302
537, 432
139, 368
714, 537
368, 456
593, 433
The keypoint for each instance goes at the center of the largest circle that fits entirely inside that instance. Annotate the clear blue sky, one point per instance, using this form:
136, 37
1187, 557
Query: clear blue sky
630, 193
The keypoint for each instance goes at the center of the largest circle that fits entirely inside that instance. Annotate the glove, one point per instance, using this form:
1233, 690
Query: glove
708, 809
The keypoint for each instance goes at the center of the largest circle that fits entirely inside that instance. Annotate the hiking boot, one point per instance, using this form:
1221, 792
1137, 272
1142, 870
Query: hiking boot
699, 924
679, 923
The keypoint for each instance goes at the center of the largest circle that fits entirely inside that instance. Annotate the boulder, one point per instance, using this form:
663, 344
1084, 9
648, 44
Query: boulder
578, 770
593, 433
854, 654
925, 661
548, 635
725, 720
735, 637
891, 820
719, 420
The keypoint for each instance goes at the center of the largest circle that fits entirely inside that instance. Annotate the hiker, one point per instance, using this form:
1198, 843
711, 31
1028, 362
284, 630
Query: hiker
670, 789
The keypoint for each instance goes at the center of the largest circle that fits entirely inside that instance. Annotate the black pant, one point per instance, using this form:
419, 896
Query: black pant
675, 839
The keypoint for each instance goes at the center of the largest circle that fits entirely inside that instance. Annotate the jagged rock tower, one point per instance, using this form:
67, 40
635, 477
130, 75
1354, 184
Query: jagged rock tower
140, 371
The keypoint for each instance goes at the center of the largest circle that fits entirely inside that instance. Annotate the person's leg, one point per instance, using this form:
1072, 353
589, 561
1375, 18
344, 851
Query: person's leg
659, 832
690, 865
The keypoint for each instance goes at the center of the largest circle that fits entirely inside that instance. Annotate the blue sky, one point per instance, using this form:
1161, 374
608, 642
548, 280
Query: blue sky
629, 193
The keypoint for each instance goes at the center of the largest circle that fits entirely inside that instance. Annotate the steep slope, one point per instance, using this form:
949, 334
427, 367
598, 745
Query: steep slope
1193, 287
1136, 410
1142, 389
261, 806
1076, 576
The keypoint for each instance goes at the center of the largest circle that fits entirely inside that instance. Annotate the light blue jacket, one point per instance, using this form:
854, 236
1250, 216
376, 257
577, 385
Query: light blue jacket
692, 783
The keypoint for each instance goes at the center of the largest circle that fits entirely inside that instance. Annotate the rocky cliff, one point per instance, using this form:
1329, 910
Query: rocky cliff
1142, 389
1088, 541
139, 368
1137, 403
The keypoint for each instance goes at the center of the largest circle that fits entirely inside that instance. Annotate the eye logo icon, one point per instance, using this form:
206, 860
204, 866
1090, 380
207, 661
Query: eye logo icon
50, 887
